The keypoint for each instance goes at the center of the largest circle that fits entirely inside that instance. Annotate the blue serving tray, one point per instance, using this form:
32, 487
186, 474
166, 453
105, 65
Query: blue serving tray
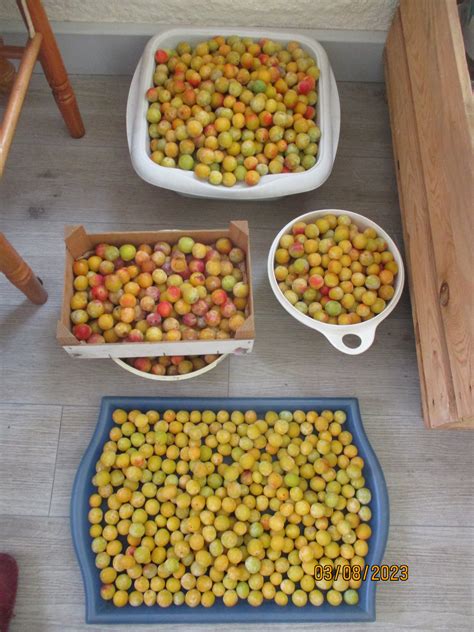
103, 612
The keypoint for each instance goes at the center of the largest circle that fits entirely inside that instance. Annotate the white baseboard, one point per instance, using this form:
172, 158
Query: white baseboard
114, 49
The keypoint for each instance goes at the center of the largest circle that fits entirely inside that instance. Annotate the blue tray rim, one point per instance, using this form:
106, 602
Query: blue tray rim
184, 614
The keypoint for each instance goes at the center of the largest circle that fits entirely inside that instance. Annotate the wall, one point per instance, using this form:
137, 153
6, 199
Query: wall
370, 15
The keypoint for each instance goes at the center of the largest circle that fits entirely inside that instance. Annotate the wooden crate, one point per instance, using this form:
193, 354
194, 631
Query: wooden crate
78, 242
431, 114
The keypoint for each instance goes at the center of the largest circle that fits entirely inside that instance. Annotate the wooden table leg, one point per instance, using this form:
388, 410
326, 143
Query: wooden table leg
20, 274
54, 69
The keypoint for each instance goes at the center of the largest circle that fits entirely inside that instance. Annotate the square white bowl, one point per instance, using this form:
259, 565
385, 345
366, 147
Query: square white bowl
328, 117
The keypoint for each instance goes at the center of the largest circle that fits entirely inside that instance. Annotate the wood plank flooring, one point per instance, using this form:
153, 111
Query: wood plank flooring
49, 403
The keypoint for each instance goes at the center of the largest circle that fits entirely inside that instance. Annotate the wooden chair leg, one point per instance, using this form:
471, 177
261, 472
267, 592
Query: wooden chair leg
54, 69
20, 274
17, 96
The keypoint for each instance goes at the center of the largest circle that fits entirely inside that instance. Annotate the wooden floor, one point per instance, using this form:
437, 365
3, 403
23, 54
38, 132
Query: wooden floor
49, 402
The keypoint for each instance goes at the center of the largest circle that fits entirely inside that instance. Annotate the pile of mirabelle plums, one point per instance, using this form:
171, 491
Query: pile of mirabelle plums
188, 291
190, 507
172, 365
234, 109
334, 272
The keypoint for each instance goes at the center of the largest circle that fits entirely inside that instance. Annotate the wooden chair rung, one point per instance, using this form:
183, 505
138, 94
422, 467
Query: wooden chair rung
12, 52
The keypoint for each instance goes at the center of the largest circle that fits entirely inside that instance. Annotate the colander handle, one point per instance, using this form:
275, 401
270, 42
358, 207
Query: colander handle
366, 337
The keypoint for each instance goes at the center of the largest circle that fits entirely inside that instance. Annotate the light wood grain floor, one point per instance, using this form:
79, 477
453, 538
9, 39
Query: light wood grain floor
49, 402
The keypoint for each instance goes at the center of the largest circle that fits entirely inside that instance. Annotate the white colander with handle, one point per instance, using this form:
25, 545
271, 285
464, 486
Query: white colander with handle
365, 330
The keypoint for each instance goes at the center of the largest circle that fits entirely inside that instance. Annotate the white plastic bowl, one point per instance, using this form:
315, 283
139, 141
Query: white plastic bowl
365, 331
169, 378
328, 117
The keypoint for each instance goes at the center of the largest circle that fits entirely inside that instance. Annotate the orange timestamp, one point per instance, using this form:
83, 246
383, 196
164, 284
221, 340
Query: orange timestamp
373, 573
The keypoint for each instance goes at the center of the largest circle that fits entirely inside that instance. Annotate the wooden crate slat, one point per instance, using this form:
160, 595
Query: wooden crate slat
438, 80
435, 381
